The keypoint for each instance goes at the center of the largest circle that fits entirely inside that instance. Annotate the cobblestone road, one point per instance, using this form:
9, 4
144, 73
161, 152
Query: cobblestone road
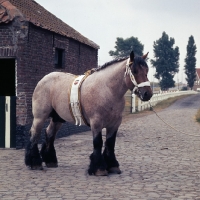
156, 163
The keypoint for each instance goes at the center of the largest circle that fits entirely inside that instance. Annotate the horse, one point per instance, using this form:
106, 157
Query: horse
102, 103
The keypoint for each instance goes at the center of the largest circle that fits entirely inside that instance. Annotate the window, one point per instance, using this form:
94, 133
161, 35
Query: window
59, 58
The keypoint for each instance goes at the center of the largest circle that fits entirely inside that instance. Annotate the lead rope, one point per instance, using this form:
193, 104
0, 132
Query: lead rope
151, 107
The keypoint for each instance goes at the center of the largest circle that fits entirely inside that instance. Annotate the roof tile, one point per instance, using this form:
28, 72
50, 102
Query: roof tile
39, 16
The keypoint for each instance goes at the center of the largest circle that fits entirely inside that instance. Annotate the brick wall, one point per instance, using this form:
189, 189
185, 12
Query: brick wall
37, 60
11, 36
34, 50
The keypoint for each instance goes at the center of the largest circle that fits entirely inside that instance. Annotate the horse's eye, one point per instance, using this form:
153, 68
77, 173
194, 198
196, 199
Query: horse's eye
134, 69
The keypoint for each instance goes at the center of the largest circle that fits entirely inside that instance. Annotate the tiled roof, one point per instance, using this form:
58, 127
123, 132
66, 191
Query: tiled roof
39, 16
198, 72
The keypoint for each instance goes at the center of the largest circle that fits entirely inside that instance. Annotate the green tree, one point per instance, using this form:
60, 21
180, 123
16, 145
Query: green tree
166, 61
190, 62
125, 46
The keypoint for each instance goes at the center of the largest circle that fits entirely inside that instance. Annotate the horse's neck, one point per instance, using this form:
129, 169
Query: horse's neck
114, 78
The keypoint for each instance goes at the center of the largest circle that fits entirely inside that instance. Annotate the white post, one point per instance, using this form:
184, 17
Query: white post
139, 104
7, 128
133, 103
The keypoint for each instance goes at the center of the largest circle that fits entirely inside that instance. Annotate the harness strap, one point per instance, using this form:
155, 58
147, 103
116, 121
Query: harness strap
129, 72
147, 83
75, 98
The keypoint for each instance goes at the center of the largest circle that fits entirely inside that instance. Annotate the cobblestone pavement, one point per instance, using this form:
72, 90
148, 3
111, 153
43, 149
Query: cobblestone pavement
156, 163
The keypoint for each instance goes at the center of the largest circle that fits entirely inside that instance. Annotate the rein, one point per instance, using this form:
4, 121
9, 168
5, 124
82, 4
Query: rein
129, 72
151, 108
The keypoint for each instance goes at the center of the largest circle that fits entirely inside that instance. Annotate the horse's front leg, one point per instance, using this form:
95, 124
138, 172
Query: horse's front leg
97, 163
109, 152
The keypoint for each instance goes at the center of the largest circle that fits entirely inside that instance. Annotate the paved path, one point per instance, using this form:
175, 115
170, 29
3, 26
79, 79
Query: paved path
157, 163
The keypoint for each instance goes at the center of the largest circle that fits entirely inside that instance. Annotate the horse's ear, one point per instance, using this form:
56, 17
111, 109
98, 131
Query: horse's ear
131, 56
145, 56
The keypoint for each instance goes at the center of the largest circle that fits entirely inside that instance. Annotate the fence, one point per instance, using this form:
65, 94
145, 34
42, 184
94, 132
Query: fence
128, 103
138, 105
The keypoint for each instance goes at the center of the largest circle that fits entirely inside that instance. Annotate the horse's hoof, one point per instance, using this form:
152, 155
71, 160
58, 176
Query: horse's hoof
114, 170
51, 165
37, 167
101, 173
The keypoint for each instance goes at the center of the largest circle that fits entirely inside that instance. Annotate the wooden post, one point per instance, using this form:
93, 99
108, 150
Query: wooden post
133, 103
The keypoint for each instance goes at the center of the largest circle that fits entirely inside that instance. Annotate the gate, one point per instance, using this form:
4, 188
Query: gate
7, 121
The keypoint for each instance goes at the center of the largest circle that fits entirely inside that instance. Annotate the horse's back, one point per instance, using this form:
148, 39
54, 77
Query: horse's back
53, 83
52, 92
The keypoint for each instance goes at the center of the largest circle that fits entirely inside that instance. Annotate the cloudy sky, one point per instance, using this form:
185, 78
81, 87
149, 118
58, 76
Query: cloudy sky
102, 21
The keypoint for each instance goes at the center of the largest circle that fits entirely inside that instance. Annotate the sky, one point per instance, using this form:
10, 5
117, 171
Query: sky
102, 21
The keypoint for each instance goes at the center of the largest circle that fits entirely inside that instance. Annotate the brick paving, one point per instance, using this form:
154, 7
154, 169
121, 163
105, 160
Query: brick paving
156, 163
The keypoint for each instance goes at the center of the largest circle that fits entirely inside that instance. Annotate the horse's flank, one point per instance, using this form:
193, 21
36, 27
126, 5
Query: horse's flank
52, 93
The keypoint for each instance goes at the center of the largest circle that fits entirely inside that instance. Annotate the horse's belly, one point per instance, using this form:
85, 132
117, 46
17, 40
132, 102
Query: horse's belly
66, 115
60, 97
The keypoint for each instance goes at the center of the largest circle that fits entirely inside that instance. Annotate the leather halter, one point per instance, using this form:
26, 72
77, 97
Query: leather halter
129, 72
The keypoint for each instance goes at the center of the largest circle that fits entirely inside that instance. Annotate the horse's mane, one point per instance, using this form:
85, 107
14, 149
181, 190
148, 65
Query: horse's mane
137, 59
110, 63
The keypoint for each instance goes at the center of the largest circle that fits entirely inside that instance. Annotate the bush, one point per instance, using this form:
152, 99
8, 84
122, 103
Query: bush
198, 116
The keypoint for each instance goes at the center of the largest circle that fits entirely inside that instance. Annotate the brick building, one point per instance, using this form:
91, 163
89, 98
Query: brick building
33, 43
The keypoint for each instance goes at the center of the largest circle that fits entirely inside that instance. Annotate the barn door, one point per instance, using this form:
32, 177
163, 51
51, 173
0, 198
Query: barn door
7, 103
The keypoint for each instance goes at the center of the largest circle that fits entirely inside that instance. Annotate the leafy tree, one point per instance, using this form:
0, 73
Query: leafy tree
190, 62
125, 46
166, 61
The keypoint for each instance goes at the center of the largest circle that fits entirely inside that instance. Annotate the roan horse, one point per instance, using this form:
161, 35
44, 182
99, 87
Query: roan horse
102, 102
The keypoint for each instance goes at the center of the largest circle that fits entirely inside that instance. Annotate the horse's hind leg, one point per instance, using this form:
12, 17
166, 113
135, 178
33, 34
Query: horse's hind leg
32, 156
109, 152
48, 152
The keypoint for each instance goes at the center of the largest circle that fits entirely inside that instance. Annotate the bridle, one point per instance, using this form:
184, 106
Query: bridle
129, 72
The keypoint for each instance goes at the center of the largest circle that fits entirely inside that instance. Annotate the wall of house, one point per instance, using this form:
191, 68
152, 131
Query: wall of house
196, 86
34, 50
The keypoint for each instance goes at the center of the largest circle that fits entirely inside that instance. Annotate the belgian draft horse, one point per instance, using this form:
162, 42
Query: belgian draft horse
102, 102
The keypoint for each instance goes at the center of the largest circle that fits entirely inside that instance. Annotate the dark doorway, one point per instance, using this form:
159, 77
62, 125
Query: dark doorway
7, 88
2, 122
7, 77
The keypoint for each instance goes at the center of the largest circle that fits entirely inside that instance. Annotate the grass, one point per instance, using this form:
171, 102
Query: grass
197, 116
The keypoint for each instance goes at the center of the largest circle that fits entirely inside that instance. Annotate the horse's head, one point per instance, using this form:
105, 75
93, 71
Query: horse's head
138, 69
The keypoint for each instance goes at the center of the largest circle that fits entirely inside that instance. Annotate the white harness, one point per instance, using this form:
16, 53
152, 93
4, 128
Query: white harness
128, 72
75, 100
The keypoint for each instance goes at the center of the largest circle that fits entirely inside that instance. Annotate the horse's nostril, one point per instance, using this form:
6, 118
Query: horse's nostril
145, 94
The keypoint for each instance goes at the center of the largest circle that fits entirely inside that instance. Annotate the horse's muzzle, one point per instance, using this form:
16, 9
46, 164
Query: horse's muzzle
147, 96
145, 93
